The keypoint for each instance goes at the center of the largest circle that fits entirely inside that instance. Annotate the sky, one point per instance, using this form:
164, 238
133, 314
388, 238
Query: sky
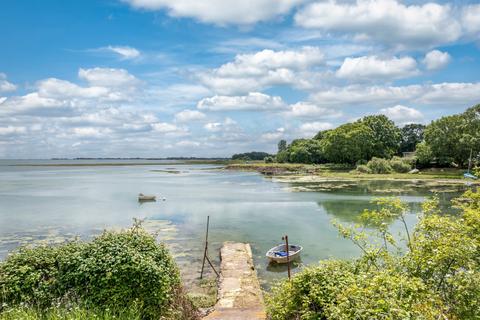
210, 78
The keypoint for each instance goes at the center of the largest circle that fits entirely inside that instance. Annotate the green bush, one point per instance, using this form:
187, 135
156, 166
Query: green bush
436, 276
400, 165
343, 290
379, 165
115, 271
362, 168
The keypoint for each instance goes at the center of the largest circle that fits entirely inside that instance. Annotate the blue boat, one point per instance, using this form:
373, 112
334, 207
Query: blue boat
470, 176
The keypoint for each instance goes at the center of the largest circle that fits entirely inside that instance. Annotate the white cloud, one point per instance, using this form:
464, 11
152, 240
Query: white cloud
188, 143
226, 125
310, 110
251, 72
61, 89
273, 136
6, 86
309, 129
11, 130
91, 132
471, 18
456, 94
252, 101
164, 127
402, 114
222, 12
125, 52
108, 77
189, 115
436, 59
388, 21
373, 67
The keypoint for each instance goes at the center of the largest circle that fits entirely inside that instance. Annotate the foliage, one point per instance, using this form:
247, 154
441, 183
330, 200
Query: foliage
268, 159
412, 134
386, 136
250, 156
348, 143
282, 145
400, 165
451, 138
378, 165
424, 154
72, 313
117, 271
305, 151
437, 275
362, 168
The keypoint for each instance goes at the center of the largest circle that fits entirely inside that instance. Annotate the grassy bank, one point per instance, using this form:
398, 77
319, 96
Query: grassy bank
331, 171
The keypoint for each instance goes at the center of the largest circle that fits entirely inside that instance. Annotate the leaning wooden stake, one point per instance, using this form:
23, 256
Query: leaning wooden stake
205, 253
288, 255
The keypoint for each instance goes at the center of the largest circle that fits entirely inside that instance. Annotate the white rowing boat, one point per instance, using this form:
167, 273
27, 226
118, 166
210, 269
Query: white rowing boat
143, 197
278, 254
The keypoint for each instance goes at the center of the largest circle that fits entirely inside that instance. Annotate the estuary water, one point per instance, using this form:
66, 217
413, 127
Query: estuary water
51, 203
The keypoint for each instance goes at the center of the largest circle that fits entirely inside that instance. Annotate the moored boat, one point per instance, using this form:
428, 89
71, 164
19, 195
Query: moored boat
278, 254
143, 197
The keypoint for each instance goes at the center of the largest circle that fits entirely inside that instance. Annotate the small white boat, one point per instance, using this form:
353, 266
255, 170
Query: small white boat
278, 254
143, 197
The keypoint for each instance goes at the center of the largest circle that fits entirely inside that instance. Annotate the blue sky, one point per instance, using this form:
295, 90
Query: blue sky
214, 77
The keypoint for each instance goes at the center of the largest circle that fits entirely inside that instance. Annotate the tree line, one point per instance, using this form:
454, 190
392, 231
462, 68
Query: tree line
447, 141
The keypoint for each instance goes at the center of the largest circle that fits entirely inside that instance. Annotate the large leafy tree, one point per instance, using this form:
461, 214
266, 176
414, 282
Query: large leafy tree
452, 138
386, 136
305, 151
349, 143
412, 134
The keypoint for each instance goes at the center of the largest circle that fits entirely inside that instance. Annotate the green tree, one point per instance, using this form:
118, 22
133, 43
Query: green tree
412, 134
348, 143
452, 138
282, 145
386, 136
305, 151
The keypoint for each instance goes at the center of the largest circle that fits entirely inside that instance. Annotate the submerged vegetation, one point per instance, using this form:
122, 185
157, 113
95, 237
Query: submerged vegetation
434, 275
125, 275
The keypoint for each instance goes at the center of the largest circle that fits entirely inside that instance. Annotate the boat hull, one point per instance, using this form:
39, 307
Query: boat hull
293, 254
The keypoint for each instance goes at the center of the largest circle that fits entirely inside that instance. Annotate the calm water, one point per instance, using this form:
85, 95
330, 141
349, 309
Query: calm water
51, 204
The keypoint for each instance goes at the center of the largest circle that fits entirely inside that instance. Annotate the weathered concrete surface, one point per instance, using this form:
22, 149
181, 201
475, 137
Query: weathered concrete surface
239, 294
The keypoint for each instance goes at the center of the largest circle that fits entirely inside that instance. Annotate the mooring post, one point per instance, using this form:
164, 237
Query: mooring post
288, 255
205, 253
206, 246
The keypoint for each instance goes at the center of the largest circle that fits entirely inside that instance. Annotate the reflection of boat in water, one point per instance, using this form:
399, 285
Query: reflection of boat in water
142, 197
283, 267
278, 254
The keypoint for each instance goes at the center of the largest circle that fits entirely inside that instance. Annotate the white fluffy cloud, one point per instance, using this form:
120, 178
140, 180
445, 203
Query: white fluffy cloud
273, 135
455, 94
309, 110
189, 115
250, 72
471, 19
309, 129
387, 21
252, 101
222, 12
108, 77
12, 130
6, 86
402, 114
436, 59
125, 52
373, 67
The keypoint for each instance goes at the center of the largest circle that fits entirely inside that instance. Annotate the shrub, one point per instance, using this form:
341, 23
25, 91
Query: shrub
115, 271
268, 159
400, 165
363, 169
379, 165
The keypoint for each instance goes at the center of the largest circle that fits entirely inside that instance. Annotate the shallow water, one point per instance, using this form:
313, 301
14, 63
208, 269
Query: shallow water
53, 204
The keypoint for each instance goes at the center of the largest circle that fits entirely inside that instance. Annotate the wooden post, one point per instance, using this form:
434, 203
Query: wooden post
288, 255
205, 253
206, 246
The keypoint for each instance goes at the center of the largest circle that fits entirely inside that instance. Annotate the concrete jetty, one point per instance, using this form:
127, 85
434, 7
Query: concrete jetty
239, 293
